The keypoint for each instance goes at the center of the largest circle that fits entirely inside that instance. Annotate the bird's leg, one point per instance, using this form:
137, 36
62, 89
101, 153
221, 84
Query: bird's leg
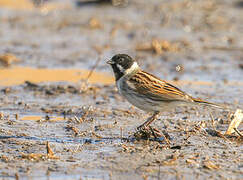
155, 132
149, 120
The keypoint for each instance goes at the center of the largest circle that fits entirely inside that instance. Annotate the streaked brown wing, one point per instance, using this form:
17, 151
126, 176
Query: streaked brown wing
157, 89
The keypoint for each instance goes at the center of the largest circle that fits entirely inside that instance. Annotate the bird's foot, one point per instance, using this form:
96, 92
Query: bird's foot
141, 127
155, 132
147, 132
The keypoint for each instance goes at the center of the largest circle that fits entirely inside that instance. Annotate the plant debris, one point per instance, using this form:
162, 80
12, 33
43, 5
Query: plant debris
158, 46
235, 122
7, 60
210, 165
40, 157
150, 133
94, 23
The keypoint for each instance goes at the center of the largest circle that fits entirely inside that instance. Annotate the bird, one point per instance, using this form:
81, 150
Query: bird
148, 92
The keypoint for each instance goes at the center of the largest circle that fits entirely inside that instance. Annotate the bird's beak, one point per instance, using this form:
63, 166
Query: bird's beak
110, 62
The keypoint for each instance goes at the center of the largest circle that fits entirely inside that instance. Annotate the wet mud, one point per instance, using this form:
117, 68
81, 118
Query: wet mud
61, 115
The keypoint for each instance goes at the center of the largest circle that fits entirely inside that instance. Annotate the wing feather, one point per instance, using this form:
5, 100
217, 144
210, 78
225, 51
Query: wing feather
157, 89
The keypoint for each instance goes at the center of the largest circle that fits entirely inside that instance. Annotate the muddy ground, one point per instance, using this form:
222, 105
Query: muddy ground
56, 128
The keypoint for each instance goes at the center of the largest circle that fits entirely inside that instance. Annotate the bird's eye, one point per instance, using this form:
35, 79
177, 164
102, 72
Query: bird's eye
120, 60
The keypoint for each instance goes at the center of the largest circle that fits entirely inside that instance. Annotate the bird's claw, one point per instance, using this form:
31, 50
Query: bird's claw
141, 127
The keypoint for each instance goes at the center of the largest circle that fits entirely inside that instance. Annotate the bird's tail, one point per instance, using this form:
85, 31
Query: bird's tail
202, 102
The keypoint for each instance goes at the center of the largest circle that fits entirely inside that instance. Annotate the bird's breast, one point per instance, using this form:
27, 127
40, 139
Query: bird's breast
137, 99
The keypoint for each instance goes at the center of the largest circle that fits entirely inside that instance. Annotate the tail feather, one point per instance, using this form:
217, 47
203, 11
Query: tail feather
202, 102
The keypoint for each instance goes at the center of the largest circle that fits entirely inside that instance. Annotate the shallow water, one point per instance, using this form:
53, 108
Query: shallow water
19, 75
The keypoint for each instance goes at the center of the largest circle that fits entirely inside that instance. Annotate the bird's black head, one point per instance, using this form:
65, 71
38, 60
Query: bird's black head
122, 64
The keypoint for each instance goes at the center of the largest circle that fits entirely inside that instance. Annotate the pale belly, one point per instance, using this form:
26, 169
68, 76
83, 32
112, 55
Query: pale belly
149, 105
143, 102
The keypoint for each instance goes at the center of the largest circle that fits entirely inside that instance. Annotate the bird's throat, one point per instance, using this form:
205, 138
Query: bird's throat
117, 72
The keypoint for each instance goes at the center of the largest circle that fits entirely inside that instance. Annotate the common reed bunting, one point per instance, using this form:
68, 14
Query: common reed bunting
148, 92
